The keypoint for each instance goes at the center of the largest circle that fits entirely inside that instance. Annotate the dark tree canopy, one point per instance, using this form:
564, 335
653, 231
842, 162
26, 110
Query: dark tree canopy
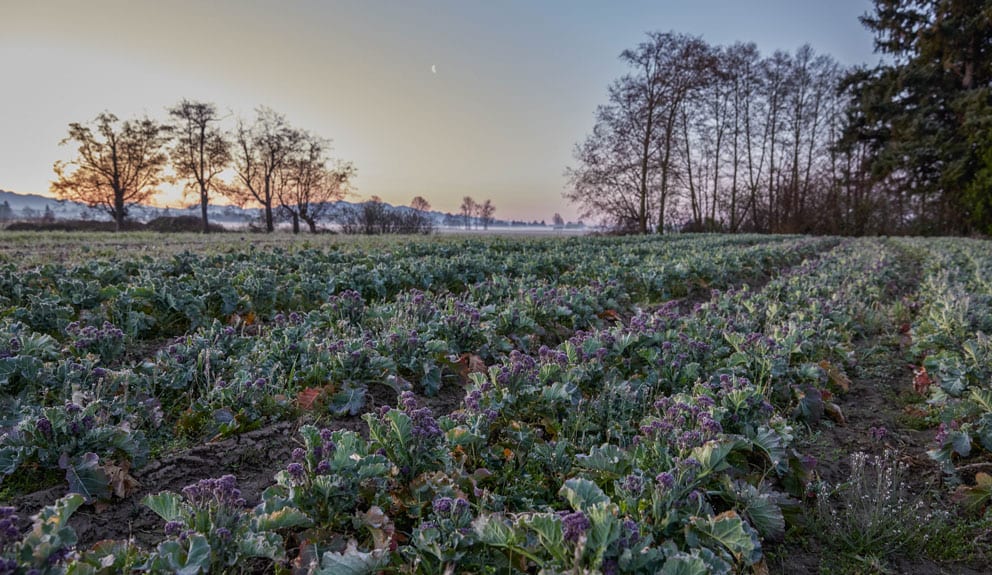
308, 184
261, 151
486, 210
118, 164
925, 114
711, 138
200, 151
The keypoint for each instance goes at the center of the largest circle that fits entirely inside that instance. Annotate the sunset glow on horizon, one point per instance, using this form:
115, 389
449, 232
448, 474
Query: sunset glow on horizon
440, 99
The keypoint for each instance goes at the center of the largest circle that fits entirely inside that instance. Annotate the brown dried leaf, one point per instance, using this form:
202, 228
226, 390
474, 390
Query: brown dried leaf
469, 363
307, 397
120, 480
381, 527
610, 314
832, 410
921, 380
836, 376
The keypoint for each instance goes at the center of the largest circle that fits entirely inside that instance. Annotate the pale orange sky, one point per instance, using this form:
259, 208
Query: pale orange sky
516, 86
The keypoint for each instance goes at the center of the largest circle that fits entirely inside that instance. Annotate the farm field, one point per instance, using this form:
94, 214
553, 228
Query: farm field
682, 404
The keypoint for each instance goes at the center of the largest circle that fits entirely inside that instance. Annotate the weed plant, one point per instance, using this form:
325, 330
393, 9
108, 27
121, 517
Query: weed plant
871, 516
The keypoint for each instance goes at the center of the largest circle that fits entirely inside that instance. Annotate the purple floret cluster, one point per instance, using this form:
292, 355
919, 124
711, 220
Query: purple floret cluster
222, 491
574, 525
9, 533
424, 424
683, 425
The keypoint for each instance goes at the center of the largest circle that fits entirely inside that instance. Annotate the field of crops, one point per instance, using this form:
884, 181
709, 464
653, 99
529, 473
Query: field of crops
678, 405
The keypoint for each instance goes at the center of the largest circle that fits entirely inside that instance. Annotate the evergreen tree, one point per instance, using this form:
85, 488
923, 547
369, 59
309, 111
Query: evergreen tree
926, 112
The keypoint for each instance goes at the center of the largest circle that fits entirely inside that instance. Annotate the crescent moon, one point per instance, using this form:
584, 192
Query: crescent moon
433, 68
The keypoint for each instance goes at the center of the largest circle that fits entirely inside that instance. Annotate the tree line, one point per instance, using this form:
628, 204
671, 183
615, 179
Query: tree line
286, 171
721, 138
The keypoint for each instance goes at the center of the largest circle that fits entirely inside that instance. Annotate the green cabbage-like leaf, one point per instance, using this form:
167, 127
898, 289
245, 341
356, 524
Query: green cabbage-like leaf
493, 530
268, 545
349, 401
167, 505
698, 562
172, 556
771, 443
353, 562
762, 512
86, 477
284, 518
607, 459
582, 494
725, 532
10, 459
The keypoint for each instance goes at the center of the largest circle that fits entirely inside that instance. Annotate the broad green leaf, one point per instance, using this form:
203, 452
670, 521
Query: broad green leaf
976, 498
493, 530
167, 505
108, 557
582, 494
761, 510
172, 556
983, 431
348, 401
728, 532
607, 459
698, 562
810, 406
87, 478
58, 514
10, 459
549, 531
268, 545
962, 443
983, 397
547, 526
353, 562
282, 519
712, 455
770, 442
605, 529
685, 564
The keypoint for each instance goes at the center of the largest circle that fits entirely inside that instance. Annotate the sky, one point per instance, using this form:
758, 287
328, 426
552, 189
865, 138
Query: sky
438, 98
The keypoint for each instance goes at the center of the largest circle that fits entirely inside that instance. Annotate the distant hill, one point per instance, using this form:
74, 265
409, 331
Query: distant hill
31, 206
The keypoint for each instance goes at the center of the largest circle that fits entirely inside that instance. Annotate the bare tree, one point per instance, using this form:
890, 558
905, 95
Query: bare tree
200, 151
626, 165
117, 166
420, 204
262, 151
468, 208
420, 220
307, 186
486, 211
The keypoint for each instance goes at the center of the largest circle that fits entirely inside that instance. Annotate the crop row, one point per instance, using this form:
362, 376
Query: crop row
600, 435
150, 299
952, 345
220, 379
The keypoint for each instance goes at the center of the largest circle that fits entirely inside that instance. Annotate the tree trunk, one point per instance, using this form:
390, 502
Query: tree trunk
642, 216
665, 165
118, 211
203, 210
